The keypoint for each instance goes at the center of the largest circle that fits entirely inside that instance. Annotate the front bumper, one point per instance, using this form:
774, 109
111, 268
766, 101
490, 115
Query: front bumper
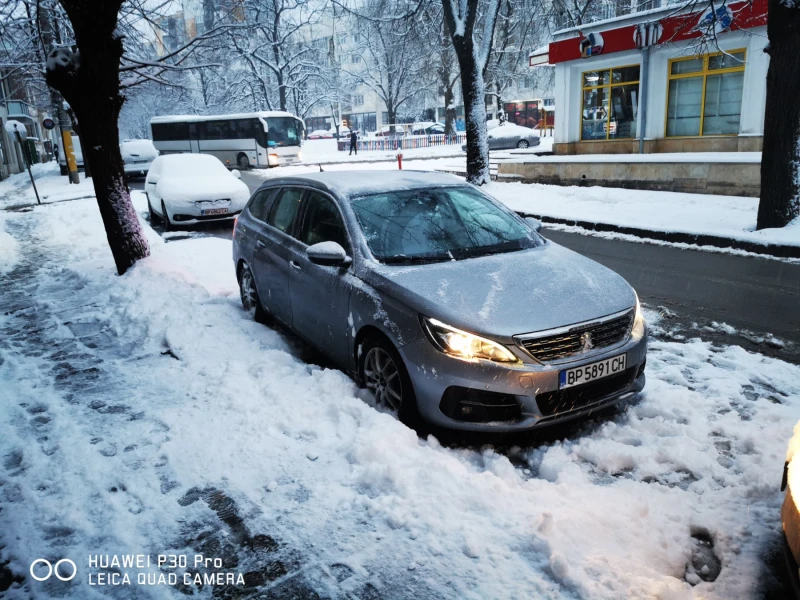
494, 397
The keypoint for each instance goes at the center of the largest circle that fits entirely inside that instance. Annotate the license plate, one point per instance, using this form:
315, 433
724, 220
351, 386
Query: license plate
213, 211
591, 372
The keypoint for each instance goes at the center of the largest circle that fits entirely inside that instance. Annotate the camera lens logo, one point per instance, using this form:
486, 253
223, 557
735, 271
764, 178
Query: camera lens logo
51, 570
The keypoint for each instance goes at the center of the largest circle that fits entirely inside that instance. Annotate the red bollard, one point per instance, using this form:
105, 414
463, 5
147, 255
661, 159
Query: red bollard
400, 161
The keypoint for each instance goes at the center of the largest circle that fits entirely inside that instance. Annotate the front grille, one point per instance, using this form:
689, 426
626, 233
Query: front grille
559, 401
578, 339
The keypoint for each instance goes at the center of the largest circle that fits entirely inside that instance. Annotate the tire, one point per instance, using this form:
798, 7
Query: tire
165, 218
151, 212
382, 371
243, 161
523, 144
249, 294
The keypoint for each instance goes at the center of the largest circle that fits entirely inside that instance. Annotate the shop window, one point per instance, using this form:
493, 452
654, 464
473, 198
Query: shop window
610, 103
705, 95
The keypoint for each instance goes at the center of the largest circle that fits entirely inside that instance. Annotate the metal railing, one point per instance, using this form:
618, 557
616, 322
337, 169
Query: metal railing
407, 142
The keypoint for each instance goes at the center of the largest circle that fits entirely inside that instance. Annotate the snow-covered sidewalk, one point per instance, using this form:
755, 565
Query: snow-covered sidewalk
148, 414
668, 212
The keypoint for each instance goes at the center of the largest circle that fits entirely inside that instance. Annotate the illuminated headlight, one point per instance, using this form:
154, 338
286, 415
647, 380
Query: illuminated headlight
465, 345
638, 320
300, 155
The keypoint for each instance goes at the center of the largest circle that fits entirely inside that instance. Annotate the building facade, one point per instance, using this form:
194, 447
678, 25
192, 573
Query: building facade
694, 81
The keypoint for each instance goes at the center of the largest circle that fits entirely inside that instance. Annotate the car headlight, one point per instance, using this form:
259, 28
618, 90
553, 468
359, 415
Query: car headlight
463, 344
637, 331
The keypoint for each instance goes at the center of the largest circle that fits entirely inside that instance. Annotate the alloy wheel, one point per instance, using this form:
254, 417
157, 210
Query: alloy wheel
383, 377
247, 291
522, 144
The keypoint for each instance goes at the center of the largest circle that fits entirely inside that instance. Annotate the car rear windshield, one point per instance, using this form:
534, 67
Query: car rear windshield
436, 224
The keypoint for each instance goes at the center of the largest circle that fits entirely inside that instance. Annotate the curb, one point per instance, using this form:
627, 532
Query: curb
778, 250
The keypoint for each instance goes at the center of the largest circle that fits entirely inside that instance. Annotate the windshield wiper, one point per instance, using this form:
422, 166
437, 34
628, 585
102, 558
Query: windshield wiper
393, 260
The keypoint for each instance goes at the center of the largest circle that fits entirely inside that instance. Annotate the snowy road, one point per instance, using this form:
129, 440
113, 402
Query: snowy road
148, 414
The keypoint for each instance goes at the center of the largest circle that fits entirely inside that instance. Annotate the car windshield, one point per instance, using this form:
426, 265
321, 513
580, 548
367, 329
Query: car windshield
448, 223
283, 131
194, 165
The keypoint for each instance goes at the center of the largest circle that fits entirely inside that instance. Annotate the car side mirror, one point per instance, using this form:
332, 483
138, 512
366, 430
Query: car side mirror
328, 254
535, 224
236, 173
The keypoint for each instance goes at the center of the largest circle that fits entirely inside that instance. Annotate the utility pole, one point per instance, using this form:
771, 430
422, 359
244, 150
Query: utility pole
49, 31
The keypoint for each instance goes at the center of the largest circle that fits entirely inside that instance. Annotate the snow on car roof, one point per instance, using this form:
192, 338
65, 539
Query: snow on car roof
196, 118
358, 183
191, 165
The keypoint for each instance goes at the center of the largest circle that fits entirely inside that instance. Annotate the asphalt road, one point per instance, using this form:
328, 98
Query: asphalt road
693, 288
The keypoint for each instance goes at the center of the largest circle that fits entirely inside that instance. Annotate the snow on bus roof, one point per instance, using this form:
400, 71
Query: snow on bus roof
197, 118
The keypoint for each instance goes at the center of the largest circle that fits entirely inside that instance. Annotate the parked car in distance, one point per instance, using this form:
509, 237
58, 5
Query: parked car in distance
344, 132
137, 156
439, 299
506, 136
385, 131
184, 189
427, 128
62, 159
320, 134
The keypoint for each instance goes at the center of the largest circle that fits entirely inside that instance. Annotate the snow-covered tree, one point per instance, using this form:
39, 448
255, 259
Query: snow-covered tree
390, 54
472, 24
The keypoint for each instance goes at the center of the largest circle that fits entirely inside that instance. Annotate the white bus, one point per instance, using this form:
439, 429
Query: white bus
260, 139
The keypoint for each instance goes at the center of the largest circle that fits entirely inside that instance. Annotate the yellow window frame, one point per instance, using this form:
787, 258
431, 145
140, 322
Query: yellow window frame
704, 73
608, 85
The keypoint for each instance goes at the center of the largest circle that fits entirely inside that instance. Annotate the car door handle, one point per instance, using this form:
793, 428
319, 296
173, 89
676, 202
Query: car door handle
260, 244
295, 265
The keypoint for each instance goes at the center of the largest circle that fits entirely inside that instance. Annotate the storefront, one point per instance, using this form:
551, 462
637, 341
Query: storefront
697, 92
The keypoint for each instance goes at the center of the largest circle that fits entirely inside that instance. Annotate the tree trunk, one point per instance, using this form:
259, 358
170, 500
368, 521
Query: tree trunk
91, 86
449, 111
472, 87
780, 160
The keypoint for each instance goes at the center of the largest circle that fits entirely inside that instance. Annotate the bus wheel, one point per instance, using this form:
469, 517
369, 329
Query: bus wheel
243, 161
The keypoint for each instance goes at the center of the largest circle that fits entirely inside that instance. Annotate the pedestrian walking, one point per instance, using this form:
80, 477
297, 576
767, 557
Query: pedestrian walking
353, 143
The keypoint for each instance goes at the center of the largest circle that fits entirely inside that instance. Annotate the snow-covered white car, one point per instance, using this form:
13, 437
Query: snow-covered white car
192, 188
320, 134
137, 156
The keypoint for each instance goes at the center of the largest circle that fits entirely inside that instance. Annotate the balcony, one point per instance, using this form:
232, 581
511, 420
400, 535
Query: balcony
19, 109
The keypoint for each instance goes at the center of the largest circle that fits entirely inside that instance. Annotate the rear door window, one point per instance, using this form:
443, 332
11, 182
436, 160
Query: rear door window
259, 205
284, 211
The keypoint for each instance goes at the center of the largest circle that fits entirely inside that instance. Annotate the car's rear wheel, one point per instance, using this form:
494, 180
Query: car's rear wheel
383, 372
243, 161
523, 144
165, 217
249, 294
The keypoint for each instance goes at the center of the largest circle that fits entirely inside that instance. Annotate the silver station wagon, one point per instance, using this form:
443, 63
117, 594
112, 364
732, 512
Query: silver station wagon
439, 299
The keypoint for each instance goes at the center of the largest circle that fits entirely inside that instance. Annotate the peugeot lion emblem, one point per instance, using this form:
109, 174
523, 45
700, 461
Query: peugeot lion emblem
586, 341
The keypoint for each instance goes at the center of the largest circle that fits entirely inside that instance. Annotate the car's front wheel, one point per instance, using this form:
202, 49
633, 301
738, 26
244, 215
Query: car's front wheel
150, 211
249, 294
522, 144
165, 217
385, 375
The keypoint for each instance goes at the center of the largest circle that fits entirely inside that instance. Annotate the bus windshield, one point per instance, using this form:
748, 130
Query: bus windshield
283, 131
